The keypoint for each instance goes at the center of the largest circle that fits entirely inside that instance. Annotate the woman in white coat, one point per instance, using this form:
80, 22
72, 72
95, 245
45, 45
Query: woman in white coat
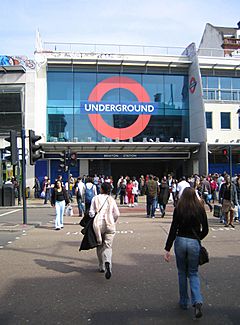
105, 212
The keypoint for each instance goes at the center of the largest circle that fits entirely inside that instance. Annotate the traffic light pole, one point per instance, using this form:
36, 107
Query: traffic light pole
230, 161
23, 137
69, 153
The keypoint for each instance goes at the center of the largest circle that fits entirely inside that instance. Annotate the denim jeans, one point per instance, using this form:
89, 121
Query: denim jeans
151, 206
237, 214
162, 207
80, 206
60, 207
47, 196
187, 255
206, 200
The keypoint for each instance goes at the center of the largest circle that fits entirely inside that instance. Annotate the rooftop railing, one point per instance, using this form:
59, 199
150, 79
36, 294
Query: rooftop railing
113, 48
121, 49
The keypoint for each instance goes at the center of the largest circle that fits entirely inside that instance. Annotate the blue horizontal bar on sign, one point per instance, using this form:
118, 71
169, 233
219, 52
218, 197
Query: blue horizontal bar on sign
88, 107
176, 155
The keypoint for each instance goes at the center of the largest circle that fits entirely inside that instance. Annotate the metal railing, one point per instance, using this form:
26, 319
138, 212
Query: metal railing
119, 49
123, 49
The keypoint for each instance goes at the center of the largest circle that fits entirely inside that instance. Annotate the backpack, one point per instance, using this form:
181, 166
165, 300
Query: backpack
89, 194
123, 186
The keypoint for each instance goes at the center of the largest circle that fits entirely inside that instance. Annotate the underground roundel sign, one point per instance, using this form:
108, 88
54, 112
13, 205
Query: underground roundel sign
98, 122
192, 85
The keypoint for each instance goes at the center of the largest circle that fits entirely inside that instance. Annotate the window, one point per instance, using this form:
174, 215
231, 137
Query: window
209, 120
69, 90
225, 83
213, 82
10, 111
221, 88
226, 95
225, 121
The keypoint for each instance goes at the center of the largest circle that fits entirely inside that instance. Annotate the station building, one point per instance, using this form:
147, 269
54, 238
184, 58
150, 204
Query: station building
131, 110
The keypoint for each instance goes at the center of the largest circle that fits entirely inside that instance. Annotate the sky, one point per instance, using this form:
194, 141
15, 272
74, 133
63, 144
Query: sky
131, 22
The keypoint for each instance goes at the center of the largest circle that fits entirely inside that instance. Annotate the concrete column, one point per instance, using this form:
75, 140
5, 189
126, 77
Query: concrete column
195, 165
84, 167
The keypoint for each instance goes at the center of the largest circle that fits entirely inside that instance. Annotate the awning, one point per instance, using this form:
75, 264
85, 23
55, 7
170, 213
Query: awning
107, 150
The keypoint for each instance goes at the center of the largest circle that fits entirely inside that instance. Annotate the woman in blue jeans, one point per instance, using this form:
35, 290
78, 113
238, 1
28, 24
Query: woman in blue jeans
189, 217
59, 200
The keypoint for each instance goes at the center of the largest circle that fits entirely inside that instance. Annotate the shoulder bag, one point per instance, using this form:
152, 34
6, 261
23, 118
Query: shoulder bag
203, 253
86, 218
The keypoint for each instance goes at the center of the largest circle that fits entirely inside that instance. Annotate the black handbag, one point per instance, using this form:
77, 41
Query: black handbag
203, 253
85, 219
203, 256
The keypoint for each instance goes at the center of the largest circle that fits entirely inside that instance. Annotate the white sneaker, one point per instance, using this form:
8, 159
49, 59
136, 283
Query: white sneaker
129, 205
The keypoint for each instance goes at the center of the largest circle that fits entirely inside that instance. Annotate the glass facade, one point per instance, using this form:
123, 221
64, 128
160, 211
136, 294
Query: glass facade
134, 105
221, 88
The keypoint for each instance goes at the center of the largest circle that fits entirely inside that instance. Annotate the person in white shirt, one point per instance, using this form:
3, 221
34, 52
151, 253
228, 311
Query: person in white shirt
105, 212
135, 190
181, 186
119, 182
80, 195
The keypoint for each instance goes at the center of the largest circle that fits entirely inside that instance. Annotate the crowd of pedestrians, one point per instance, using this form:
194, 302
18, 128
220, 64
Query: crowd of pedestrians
213, 189
188, 195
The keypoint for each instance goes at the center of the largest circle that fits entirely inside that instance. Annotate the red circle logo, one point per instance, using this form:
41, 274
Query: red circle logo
192, 85
98, 122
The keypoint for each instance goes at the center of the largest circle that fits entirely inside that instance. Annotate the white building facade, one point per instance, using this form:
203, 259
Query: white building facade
124, 111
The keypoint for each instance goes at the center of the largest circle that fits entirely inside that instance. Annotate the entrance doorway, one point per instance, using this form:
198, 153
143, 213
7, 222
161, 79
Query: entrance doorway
144, 167
136, 167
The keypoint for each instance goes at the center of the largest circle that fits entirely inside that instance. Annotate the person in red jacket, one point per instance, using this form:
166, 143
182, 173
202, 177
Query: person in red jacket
129, 191
214, 186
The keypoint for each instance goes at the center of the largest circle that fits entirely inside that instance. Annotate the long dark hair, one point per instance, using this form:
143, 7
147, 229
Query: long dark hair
106, 188
189, 206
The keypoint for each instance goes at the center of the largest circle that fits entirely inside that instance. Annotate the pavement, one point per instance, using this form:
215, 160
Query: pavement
44, 279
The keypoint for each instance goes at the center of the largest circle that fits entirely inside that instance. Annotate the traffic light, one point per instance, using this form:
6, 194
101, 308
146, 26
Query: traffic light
63, 160
225, 152
73, 159
13, 150
34, 149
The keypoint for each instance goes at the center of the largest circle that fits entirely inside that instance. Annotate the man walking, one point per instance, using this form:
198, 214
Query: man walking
152, 190
228, 199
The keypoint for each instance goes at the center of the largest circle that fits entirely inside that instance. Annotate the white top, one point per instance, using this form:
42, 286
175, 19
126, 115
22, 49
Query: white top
135, 187
81, 188
90, 185
109, 211
181, 186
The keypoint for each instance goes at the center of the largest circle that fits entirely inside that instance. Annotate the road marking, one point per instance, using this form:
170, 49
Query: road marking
4, 214
222, 229
124, 232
